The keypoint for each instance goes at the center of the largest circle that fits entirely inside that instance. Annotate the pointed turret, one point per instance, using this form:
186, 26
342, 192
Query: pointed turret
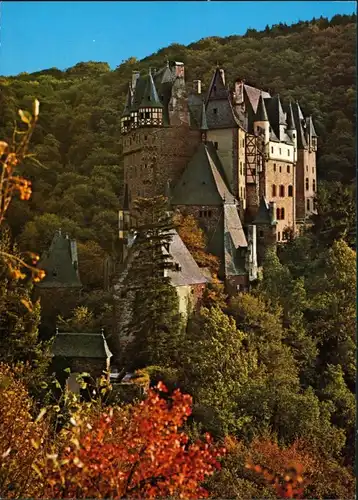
299, 120
60, 264
126, 115
276, 116
150, 97
261, 112
290, 119
311, 135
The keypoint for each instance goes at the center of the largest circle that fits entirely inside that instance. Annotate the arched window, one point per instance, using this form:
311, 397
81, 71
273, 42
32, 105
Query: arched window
314, 185
290, 191
307, 184
273, 190
278, 213
282, 190
282, 213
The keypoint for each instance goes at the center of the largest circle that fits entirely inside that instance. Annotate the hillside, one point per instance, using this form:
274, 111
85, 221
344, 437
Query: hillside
77, 138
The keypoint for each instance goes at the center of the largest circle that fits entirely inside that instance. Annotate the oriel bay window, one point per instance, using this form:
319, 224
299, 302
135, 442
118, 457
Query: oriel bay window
150, 116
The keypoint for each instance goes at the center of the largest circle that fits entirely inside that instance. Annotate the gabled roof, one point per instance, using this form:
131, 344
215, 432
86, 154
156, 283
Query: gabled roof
81, 345
253, 95
261, 113
202, 182
188, 272
275, 113
60, 264
217, 89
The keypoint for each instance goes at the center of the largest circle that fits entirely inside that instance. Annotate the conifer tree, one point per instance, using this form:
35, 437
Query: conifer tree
156, 325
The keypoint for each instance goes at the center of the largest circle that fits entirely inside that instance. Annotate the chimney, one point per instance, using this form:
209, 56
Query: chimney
222, 73
179, 69
135, 76
197, 86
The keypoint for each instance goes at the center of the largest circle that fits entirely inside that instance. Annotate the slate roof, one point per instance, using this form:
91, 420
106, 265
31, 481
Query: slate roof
261, 112
60, 264
253, 95
189, 273
81, 345
299, 120
311, 132
150, 97
203, 180
263, 215
290, 118
276, 114
128, 103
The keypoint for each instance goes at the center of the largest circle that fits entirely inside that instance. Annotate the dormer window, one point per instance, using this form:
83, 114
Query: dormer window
214, 88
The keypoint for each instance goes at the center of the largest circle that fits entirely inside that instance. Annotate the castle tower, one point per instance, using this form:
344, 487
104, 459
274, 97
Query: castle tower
291, 129
261, 123
306, 173
60, 289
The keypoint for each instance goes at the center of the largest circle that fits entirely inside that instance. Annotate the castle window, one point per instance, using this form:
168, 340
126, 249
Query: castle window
145, 137
312, 170
307, 184
273, 190
279, 150
282, 191
243, 143
272, 149
216, 144
244, 192
141, 115
240, 167
261, 234
147, 114
282, 214
288, 152
306, 168
308, 205
200, 213
288, 169
270, 130
209, 213
280, 168
215, 111
278, 213
294, 135
314, 185
290, 191
177, 267
274, 167
314, 204
214, 88
278, 236
241, 192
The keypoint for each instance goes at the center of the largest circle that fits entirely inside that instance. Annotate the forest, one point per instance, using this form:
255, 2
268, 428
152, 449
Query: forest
255, 396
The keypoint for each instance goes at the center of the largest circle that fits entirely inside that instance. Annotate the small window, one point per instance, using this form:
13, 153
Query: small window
290, 191
279, 150
145, 137
240, 167
271, 149
209, 213
278, 236
312, 170
306, 168
288, 152
216, 144
200, 213
294, 135
147, 114
243, 143
244, 192
215, 111
314, 186
278, 213
273, 190
241, 192
307, 184
214, 88
261, 234
282, 191
282, 214
280, 168
274, 167
308, 205
288, 169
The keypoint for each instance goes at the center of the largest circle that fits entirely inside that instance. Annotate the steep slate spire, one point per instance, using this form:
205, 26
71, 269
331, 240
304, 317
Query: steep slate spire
128, 104
290, 119
310, 127
150, 97
261, 113
298, 116
217, 89
281, 114
204, 122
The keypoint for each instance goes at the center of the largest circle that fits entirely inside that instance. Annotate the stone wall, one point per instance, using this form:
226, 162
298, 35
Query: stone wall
305, 170
278, 174
152, 156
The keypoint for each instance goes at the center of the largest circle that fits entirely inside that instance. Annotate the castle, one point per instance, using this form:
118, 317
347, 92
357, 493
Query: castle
234, 157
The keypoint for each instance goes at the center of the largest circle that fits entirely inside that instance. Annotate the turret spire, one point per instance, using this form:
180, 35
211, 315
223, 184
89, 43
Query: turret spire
261, 112
150, 97
290, 118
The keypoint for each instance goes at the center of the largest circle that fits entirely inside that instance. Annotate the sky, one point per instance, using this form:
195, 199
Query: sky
42, 35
